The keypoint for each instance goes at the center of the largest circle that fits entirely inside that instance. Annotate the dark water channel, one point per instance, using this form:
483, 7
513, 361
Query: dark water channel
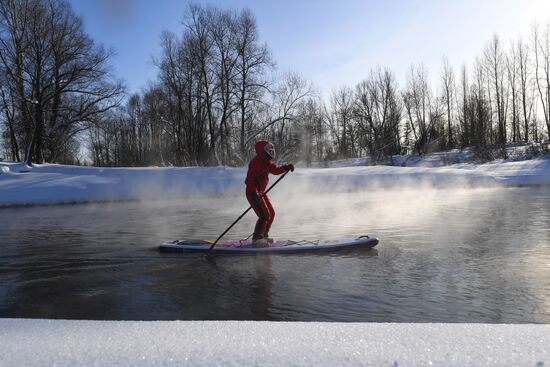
476, 255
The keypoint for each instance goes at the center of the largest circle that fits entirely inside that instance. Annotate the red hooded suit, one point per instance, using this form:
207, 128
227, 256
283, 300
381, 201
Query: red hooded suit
256, 182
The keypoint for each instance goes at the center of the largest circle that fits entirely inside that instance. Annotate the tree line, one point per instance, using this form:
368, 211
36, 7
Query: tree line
215, 93
218, 91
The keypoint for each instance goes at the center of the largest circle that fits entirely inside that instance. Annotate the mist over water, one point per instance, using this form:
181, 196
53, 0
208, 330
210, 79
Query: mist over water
445, 255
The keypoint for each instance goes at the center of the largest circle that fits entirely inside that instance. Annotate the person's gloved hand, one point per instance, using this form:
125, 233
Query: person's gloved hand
289, 167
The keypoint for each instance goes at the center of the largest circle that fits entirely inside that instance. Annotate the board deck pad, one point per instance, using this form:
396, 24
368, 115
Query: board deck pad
287, 246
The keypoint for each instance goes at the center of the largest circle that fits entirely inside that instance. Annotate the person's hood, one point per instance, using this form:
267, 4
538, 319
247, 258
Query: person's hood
260, 147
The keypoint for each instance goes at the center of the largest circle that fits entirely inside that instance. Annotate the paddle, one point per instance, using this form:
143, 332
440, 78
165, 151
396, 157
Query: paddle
242, 215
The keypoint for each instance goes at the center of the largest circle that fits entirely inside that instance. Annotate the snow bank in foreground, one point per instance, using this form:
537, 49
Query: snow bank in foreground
53, 184
231, 343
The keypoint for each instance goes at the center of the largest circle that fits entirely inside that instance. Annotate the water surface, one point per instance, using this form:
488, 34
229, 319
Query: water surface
476, 255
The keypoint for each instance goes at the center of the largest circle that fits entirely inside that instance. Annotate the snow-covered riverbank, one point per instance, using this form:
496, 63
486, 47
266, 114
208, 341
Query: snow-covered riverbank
56, 184
231, 343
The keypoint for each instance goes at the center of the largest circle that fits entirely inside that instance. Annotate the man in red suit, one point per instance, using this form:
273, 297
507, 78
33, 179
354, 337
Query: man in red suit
256, 182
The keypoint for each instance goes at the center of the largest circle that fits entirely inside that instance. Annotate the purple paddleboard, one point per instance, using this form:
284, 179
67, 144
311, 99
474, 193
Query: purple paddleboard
277, 247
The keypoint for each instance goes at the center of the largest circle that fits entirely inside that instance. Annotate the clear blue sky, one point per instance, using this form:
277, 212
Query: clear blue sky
332, 43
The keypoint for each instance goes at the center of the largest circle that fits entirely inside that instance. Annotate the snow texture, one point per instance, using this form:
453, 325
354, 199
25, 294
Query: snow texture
56, 184
26, 342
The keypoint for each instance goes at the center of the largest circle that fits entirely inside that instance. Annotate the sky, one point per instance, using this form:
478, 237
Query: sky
331, 43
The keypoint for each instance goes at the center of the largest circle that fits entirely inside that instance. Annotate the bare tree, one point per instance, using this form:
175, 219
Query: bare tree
185, 115
342, 104
313, 137
495, 64
215, 74
154, 112
512, 73
448, 82
526, 90
223, 29
15, 18
464, 109
422, 110
287, 99
254, 60
9, 116
55, 71
541, 47
480, 110
377, 109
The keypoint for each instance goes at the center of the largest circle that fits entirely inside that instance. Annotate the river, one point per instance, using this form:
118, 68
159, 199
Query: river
445, 255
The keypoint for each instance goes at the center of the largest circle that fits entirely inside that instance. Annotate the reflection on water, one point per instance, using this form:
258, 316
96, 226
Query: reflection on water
444, 256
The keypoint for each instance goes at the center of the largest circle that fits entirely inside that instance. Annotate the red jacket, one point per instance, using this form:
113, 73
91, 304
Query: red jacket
259, 168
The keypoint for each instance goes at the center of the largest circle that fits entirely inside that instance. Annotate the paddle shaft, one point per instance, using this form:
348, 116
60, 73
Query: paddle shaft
243, 214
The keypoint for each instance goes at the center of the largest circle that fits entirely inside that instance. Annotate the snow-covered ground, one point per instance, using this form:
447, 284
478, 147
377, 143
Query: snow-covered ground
54, 184
232, 343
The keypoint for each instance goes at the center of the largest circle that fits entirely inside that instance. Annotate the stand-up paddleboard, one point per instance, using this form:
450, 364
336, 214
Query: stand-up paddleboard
277, 247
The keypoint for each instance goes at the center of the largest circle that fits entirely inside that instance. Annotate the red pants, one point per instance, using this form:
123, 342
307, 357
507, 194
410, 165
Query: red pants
263, 209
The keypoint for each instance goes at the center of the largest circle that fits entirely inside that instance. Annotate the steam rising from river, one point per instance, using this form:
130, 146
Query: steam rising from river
310, 203
306, 210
